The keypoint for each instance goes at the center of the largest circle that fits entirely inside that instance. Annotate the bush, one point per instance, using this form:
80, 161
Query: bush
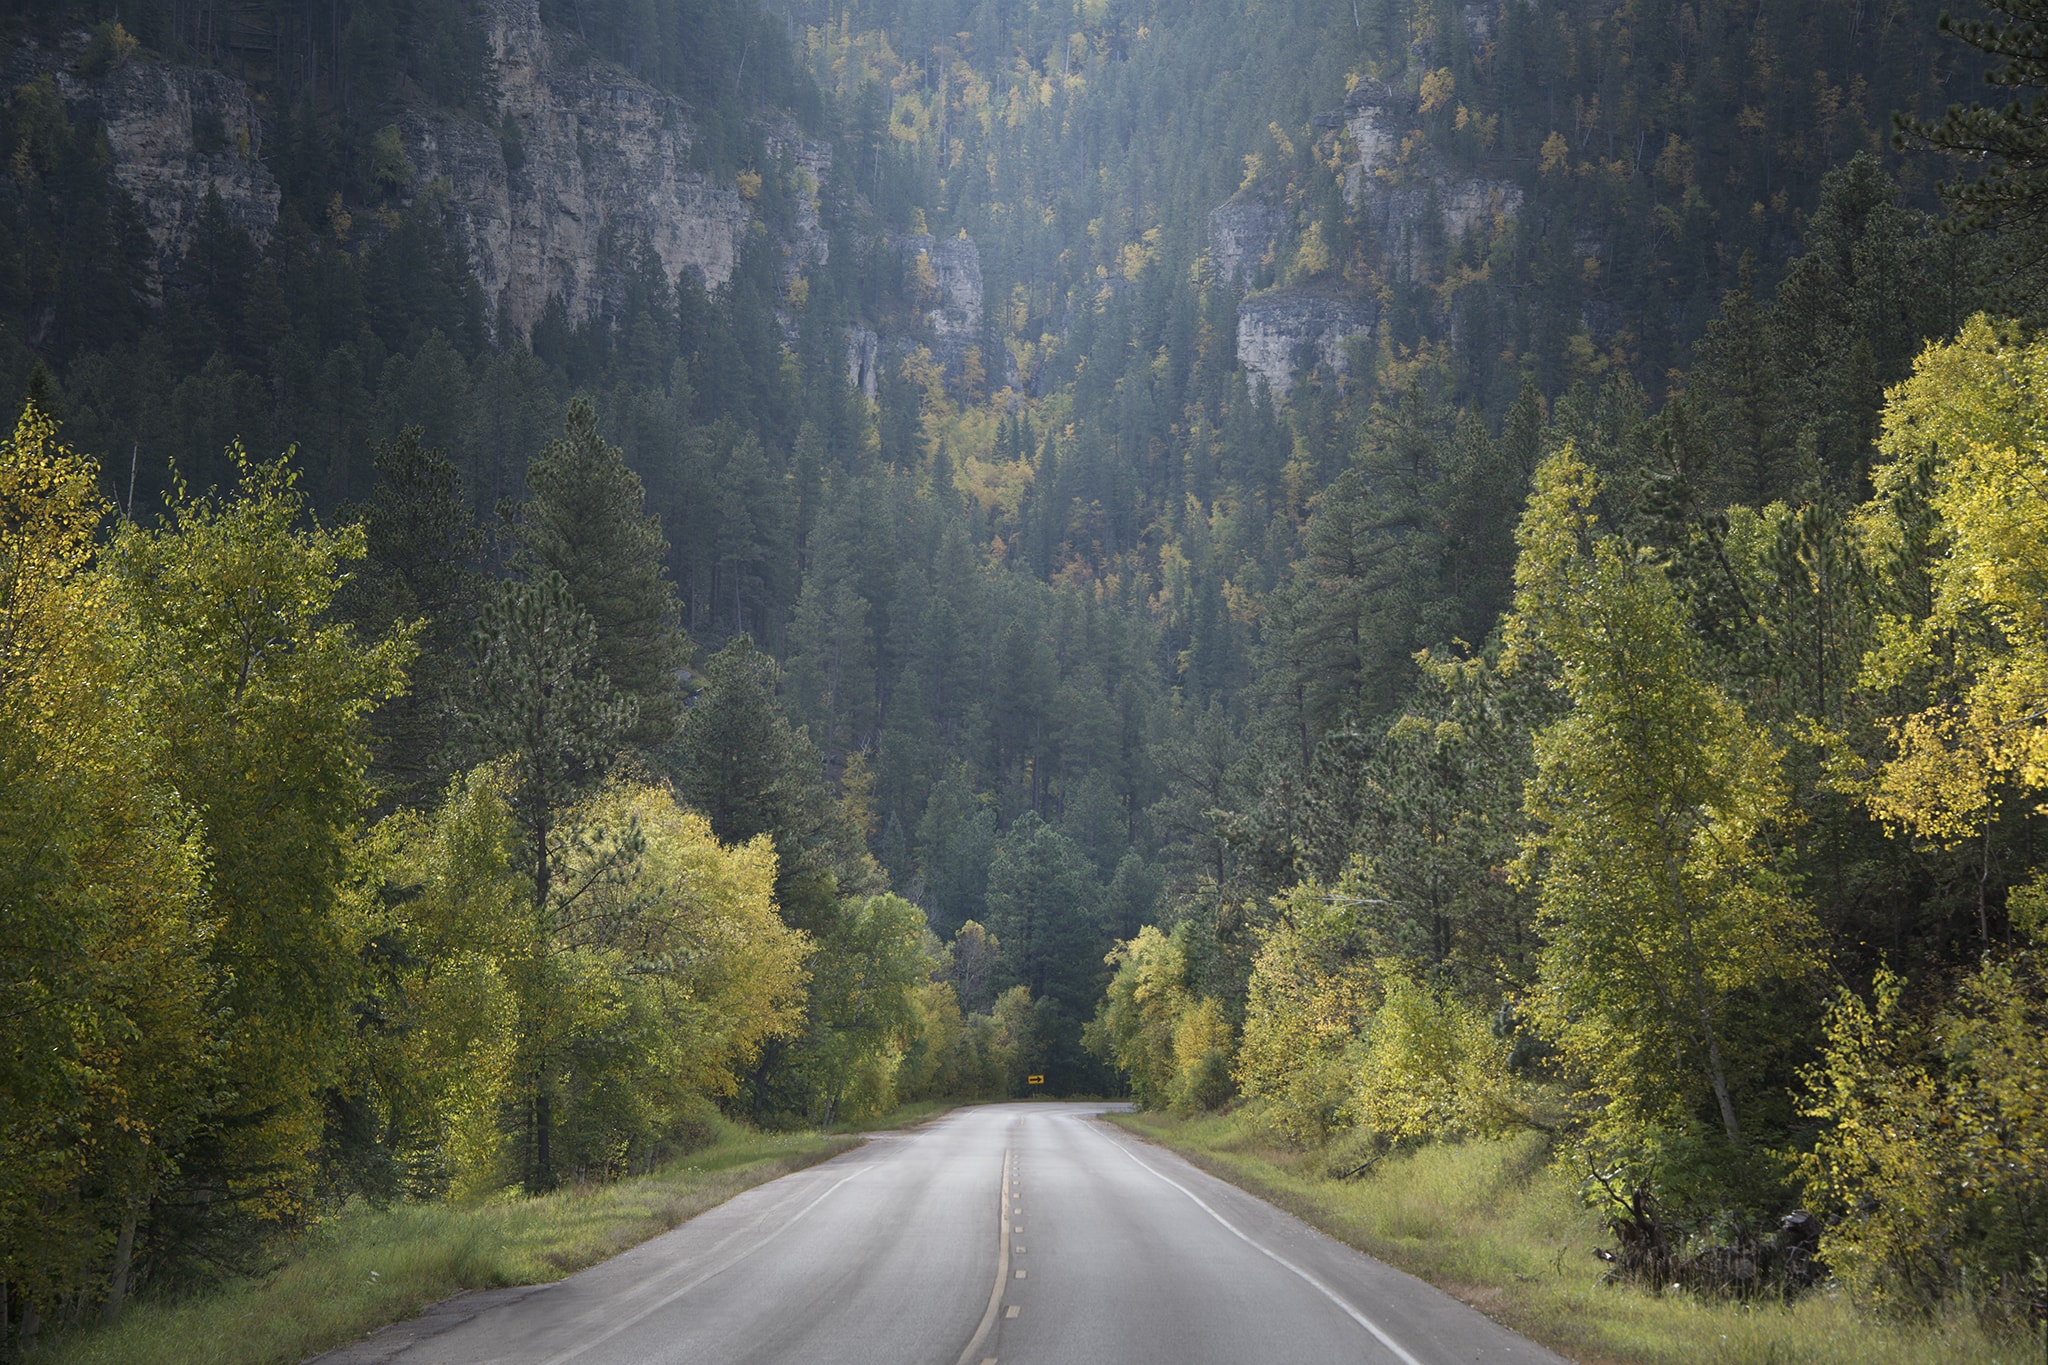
109, 46
1934, 1166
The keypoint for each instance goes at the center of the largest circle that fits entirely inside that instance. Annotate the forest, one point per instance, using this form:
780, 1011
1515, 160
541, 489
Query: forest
1415, 570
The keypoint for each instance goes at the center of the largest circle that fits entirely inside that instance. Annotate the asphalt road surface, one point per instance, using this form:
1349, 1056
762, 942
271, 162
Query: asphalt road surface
1024, 1234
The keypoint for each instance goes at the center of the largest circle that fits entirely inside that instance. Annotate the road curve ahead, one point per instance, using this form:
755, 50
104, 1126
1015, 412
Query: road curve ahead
1026, 1234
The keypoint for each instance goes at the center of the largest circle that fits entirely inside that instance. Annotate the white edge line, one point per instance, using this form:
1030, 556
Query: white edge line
995, 1295
1361, 1319
714, 1272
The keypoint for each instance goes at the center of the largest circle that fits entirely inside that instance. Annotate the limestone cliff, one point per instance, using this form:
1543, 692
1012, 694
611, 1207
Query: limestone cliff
1406, 203
176, 134
576, 164
1409, 202
946, 278
585, 162
863, 359
1242, 236
810, 162
1284, 332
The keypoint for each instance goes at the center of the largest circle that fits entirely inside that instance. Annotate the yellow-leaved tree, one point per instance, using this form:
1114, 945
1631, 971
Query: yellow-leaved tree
256, 701
652, 984
110, 1064
1963, 498
1932, 1161
1173, 1044
1313, 988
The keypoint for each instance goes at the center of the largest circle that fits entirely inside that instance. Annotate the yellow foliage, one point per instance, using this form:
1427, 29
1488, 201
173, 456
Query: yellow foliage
730, 973
1437, 88
1429, 1066
1310, 994
1174, 1047
1314, 257
1132, 259
104, 916
1934, 1162
50, 510
1968, 423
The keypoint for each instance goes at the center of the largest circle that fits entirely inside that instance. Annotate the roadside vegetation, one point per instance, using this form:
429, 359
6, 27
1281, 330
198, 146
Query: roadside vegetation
1498, 1223
1593, 903
364, 1267
252, 991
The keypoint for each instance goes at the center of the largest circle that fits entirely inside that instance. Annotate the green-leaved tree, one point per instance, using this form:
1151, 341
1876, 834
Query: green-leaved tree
1652, 802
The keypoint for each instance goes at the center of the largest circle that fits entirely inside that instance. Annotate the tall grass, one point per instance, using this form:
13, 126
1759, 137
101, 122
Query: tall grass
368, 1267
1496, 1225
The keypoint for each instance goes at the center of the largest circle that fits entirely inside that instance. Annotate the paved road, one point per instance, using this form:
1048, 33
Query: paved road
1025, 1234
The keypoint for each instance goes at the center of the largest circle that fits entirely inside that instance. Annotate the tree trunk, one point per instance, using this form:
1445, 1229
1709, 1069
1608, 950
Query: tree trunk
124, 1257
1719, 1075
543, 1148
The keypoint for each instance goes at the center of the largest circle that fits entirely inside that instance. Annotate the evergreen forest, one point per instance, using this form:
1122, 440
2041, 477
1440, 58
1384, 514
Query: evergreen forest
573, 571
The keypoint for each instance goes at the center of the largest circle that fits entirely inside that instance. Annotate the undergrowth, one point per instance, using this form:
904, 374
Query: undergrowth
367, 1267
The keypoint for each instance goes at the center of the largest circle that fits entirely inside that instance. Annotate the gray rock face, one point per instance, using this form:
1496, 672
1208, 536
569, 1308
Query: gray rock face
811, 160
1375, 118
1282, 331
1403, 203
951, 296
176, 134
1410, 206
602, 162
1242, 233
863, 359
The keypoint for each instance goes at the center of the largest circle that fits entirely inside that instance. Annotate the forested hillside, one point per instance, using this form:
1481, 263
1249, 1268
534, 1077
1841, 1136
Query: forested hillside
1421, 569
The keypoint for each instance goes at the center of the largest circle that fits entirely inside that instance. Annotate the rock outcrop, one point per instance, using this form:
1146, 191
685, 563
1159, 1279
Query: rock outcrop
863, 359
1404, 204
1242, 236
176, 134
810, 162
947, 278
1410, 203
585, 163
1283, 332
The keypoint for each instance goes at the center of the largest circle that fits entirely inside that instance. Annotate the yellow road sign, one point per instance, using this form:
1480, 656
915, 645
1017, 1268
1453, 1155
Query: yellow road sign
1034, 1080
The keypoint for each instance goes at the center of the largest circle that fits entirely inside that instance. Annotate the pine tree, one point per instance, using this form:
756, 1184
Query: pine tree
2014, 139
586, 521
421, 547
544, 704
740, 762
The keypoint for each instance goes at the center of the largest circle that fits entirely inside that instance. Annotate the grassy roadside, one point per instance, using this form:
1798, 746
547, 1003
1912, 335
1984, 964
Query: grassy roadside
367, 1267
904, 1116
1491, 1223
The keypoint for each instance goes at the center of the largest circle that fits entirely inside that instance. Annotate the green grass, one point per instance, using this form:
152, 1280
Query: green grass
1495, 1225
367, 1267
902, 1116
